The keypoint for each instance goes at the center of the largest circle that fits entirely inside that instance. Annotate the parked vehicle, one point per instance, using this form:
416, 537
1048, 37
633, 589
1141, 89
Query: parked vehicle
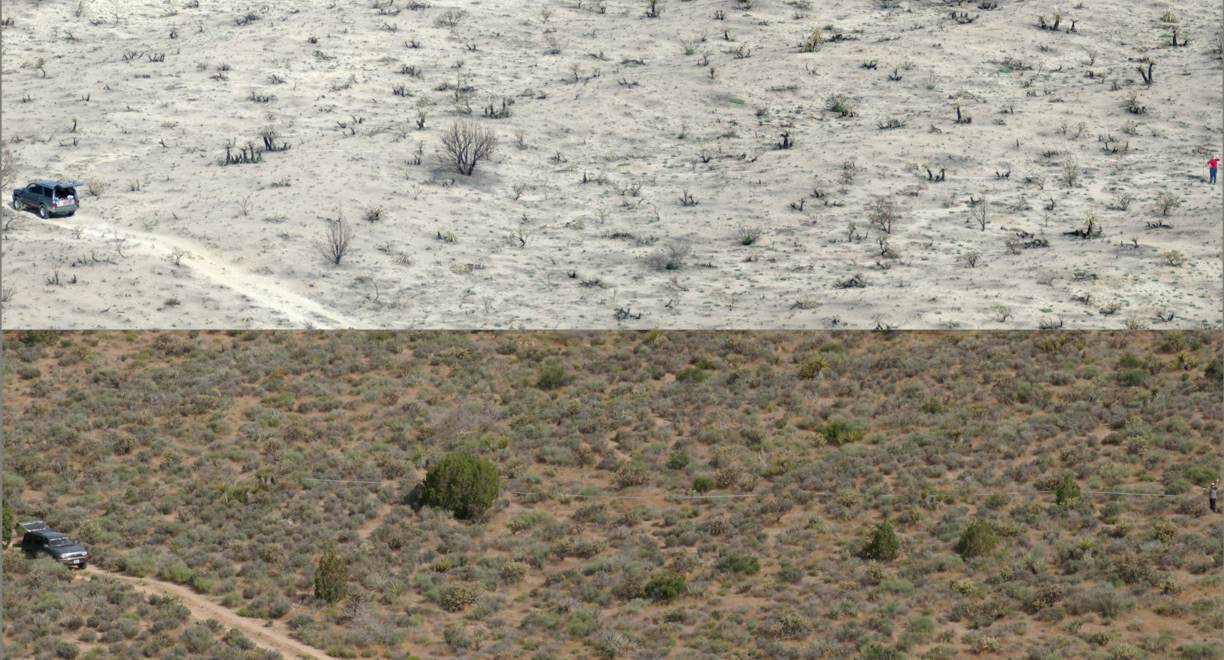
48, 197
42, 540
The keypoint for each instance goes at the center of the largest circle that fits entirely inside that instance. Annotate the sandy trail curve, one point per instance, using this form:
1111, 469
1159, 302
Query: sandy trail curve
273, 638
299, 311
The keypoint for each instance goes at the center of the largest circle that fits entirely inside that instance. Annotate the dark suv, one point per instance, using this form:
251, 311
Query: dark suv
41, 540
48, 198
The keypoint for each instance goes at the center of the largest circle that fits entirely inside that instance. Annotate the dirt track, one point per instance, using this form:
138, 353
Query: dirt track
273, 638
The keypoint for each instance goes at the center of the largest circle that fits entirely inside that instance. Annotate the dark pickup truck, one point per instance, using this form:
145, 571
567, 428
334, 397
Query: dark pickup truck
48, 197
42, 540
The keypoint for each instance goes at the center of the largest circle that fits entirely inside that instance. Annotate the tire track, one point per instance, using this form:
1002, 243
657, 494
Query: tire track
265, 292
273, 638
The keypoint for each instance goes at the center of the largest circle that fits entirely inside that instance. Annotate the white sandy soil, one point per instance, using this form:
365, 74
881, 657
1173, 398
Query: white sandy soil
629, 103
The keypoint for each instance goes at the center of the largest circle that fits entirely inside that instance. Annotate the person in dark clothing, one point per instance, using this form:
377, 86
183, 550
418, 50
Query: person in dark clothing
1211, 497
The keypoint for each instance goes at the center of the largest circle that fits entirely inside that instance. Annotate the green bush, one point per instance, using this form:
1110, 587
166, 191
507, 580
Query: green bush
703, 483
978, 539
1133, 377
694, 374
883, 544
331, 577
458, 596
551, 377
1067, 492
840, 432
812, 367
666, 586
678, 460
463, 483
739, 563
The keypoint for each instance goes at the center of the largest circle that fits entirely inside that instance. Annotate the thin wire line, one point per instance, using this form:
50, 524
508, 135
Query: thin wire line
727, 495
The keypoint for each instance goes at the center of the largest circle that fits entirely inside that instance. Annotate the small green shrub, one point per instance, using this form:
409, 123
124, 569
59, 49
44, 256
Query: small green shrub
883, 545
465, 484
666, 586
1133, 377
812, 367
740, 564
678, 460
840, 432
1067, 492
331, 577
703, 483
551, 377
978, 539
692, 374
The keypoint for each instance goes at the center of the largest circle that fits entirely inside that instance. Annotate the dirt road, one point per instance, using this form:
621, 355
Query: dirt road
273, 638
260, 290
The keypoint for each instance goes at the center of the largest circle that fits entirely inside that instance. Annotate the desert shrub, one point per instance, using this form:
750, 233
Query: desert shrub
678, 460
1067, 492
632, 474
703, 483
883, 544
457, 596
465, 144
1200, 651
742, 564
551, 377
1133, 377
812, 367
692, 373
978, 539
463, 483
877, 651
1101, 599
331, 577
839, 432
666, 586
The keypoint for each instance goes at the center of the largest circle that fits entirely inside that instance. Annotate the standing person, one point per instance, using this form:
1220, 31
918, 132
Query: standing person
1212, 166
1211, 497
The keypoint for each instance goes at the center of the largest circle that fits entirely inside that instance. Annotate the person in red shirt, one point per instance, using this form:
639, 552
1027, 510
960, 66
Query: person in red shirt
1212, 166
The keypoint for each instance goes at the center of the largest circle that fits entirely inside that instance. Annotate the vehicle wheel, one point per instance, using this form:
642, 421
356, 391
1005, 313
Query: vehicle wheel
42, 212
69, 214
17, 204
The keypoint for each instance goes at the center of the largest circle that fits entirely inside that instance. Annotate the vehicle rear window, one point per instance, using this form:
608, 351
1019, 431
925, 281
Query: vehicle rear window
65, 192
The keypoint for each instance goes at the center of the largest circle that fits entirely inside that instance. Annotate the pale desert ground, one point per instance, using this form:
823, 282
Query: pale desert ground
644, 109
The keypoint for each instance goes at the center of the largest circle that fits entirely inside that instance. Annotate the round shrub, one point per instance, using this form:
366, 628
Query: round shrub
666, 586
551, 377
703, 483
463, 483
883, 545
978, 539
457, 596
